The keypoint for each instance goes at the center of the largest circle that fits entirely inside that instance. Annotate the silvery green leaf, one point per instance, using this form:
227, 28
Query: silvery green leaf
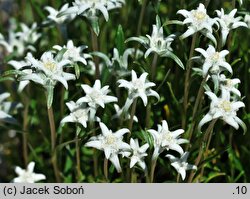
103, 56
60, 54
141, 39
50, 95
158, 22
95, 25
77, 70
175, 58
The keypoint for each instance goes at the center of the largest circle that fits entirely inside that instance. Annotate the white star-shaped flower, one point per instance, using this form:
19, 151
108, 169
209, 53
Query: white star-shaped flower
198, 21
111, 143
181, 165
215, 62
223, 108
165, 139
229, 85
73, 53
48, 71
138, 87
79, 114
28, 175
228, 22
53, 15
138, 153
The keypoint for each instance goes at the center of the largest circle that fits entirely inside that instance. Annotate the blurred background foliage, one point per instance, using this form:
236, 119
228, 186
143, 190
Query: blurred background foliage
229, 157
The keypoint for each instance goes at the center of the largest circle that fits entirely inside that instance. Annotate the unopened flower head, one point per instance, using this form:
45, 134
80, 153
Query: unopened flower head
28, 175
223, 108
165, 139
215, 62
138, 153
228, 22
198, 20
181, 165
111, 143
139, 87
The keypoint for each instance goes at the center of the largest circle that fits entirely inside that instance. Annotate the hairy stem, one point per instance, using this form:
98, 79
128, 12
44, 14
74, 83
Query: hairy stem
53, 143
78, 155
94, 41
187, 81
25, 132
152, 171
204, 142
132, 114
105, 169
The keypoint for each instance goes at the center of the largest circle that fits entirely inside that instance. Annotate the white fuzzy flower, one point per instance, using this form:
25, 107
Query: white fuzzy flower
28, 175
138, 153
215, 62
165, 139
111, 143
198, 21
73, 53
181, 165
138, 87
229, 85
79, 114
223, 108
29, 35
228, 22
247, 20
53, 14
48, 71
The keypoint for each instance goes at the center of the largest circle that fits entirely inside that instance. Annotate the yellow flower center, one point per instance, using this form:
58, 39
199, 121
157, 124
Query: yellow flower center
226, 106
50, 65
229, 83
199, 15
216, 56
168, 137
110, 140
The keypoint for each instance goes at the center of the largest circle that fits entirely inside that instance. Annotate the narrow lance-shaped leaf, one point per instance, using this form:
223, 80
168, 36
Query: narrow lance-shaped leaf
50, 95
119, 40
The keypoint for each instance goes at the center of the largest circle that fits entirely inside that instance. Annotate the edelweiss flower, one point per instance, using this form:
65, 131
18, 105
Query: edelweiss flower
223, 108
229, 85
138, 87
29, 35
72, 53
79, 114
165, 139
96, 96
214, 62
28, 175
228, 22
138, 153
158, 43
58, 20
48, 70
181, 165
111, 143
198, 20
247, 20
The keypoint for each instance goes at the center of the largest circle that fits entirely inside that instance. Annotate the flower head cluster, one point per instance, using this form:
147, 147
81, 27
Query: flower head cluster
138, 87
52, 17
158, 43
91, 9
198, 21
20, 42
111, 143
228, 22
28, 175
223, 108
214, 61
164, 139
79, 113
181, 165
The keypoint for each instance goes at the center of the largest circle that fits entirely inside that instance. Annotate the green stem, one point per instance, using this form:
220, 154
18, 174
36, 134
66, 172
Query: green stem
204, 142
152, 171
95, 158
187, 81
141, 17
105, 169
53, 143
132, 114
78, 155
94, 41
